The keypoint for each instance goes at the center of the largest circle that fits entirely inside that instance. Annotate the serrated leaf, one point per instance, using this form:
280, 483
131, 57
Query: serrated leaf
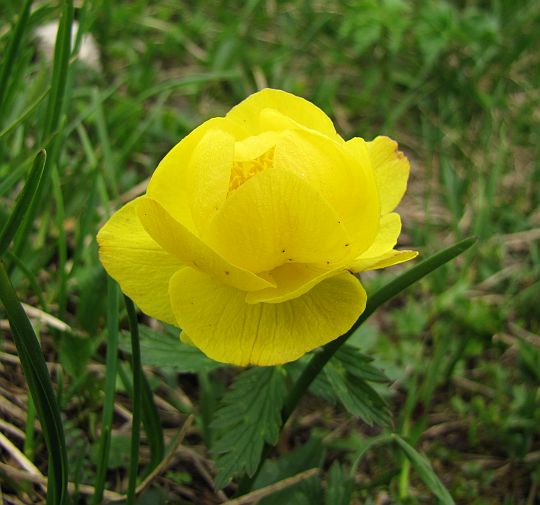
249, 416
164, 349
356, 395
425, 471
359, 364
339, 486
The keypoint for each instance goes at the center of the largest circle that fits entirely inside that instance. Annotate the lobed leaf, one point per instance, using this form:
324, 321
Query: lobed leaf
248, 418
356, 395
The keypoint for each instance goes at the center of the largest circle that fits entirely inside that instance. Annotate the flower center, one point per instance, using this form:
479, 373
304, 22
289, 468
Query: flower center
245, 170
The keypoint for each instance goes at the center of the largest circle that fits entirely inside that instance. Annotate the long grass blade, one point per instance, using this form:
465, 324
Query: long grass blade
11, 52
39, 384
110, 385
136, 419
24, 200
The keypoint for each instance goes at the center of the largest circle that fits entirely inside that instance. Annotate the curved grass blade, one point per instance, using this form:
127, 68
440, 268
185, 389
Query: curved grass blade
425, 471
24, 200
110, 384
39, 384
152, 425
25, 114
136, 420
386, 293
11, 52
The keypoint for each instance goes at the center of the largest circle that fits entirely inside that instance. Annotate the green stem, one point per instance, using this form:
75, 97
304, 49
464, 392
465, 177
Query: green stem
136, 422
319, 360
110, 386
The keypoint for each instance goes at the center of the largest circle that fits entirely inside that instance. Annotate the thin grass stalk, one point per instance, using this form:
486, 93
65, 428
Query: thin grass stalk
49, 133
11, 52
319, 360
110, 387
136, 396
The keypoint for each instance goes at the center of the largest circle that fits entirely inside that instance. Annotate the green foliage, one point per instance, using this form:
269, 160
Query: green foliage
164, 349
348, 373
248, 417
425, 471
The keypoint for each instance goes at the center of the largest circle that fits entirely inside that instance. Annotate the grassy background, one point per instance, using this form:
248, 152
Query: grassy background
455, 83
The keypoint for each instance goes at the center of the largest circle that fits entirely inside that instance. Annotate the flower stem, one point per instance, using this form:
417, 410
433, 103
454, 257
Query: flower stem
136, 421
319, 360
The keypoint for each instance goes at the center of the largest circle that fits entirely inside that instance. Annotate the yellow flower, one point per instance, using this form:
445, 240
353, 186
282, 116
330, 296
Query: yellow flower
252, 227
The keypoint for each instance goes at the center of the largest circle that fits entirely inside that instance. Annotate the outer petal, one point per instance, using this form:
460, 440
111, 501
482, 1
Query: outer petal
391, 169
274, 218
226, 328
171, 183
388, 259
141, 267
180, 242
253, 114
343, 176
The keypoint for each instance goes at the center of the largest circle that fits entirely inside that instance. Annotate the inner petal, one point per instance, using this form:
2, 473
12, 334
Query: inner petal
276, 217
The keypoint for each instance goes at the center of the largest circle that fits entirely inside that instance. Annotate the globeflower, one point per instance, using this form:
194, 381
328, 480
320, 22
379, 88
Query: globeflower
253, 227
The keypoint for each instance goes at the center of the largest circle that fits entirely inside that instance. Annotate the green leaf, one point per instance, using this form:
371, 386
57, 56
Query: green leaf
339, 487
359, 364
248, 417
164, 349
23, 202
10, 55
425, 471
40, 387
356, 395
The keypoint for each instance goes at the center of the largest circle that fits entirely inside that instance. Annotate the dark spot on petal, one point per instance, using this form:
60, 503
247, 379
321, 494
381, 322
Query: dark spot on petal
346, 245
283, 250
227, 272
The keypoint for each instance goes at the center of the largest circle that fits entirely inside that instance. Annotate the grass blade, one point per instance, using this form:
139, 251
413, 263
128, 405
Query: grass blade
39, 384
11, 52
24, 200
380, 297
136, 422
110, 385
425, 471
152, 425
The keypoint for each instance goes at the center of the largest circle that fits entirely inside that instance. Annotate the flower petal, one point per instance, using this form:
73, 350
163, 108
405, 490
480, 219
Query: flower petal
391, 169
387, 259
274, 218
227, 329
250, 115
342, 174
386, 239
208, 175
171, 183
292, 280
180, 242
133, 259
